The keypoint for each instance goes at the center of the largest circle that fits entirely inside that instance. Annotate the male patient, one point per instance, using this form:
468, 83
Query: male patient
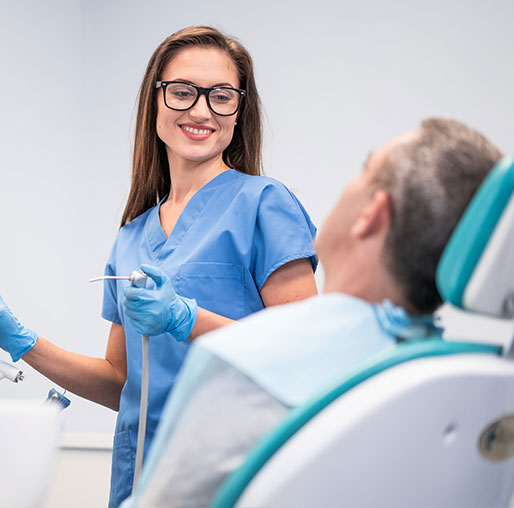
379, 247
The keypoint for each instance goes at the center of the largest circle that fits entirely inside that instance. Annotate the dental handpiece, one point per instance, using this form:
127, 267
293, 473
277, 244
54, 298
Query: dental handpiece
10, 372
137, 278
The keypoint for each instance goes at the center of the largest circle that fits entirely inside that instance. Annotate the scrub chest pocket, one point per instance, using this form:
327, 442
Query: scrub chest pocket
217, 287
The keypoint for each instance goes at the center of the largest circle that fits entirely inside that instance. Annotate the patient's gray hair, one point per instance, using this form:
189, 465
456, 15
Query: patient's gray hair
430, 181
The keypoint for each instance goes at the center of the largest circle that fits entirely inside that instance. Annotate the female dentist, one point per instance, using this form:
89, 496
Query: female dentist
218, 241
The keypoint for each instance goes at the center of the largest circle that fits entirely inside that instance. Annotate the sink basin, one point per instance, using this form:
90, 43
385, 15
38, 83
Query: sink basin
28, 450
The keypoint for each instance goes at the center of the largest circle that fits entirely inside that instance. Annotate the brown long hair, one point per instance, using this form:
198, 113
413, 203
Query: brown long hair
150, 168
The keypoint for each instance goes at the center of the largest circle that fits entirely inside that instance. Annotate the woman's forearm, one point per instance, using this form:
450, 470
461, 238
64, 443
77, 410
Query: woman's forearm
95, 379
207, 321
292, 282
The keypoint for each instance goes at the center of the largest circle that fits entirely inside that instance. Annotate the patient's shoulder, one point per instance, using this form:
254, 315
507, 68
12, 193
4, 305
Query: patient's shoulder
262, 325
286, 326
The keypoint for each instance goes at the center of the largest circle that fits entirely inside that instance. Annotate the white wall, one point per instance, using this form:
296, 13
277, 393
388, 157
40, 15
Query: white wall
337, 78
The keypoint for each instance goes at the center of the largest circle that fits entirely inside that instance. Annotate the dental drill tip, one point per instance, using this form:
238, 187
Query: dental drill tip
104, 277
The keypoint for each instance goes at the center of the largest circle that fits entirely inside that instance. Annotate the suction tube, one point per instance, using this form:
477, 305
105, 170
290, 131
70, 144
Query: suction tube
143, 409
138, 279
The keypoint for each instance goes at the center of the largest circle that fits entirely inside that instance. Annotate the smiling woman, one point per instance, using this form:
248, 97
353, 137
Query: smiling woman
218, 240
225, 241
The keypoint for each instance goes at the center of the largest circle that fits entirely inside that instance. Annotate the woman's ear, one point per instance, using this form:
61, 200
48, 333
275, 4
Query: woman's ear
375, 216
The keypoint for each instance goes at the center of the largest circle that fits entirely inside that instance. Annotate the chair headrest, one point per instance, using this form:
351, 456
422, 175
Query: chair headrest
476, 270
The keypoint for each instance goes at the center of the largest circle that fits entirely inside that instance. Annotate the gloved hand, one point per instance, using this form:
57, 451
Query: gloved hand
160, 310
15, 339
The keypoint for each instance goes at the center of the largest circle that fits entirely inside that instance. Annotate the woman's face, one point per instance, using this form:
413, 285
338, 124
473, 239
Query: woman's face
198, 134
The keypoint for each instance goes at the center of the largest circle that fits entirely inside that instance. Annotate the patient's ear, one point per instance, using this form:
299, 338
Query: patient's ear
375, 217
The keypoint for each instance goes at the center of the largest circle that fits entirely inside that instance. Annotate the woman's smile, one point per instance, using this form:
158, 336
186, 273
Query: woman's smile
196, 132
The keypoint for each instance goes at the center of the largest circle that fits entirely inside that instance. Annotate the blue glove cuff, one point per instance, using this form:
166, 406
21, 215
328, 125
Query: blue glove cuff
26, 340
182, 330
15, 339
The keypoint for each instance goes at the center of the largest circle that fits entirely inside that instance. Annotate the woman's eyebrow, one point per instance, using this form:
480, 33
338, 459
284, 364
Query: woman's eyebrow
183, 80
213, 86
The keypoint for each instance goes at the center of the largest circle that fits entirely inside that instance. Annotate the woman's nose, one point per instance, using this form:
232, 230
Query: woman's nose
201, 109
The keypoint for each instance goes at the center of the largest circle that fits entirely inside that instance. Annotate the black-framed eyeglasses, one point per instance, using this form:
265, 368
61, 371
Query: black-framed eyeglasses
181, 96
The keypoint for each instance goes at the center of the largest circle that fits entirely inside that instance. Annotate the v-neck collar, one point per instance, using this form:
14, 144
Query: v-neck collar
156, 237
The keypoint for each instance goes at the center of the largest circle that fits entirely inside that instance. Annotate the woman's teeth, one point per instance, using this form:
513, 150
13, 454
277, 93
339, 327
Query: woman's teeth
196, 131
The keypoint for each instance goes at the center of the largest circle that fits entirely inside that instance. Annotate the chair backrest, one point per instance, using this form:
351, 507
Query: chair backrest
28, 450
476, 271
428, 432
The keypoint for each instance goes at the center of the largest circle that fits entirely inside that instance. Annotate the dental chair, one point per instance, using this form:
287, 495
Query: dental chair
431, 424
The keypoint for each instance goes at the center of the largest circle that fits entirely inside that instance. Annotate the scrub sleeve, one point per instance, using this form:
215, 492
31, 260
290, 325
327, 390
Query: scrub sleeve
232, 235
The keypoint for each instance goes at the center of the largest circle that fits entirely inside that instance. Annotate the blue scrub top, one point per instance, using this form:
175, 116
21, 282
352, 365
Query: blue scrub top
232, 235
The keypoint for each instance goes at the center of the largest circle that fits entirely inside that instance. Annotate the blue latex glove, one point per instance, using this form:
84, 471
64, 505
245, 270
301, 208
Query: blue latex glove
15, 339
160, 310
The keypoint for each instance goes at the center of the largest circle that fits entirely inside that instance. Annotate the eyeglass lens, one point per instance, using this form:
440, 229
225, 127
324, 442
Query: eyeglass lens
181, 96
